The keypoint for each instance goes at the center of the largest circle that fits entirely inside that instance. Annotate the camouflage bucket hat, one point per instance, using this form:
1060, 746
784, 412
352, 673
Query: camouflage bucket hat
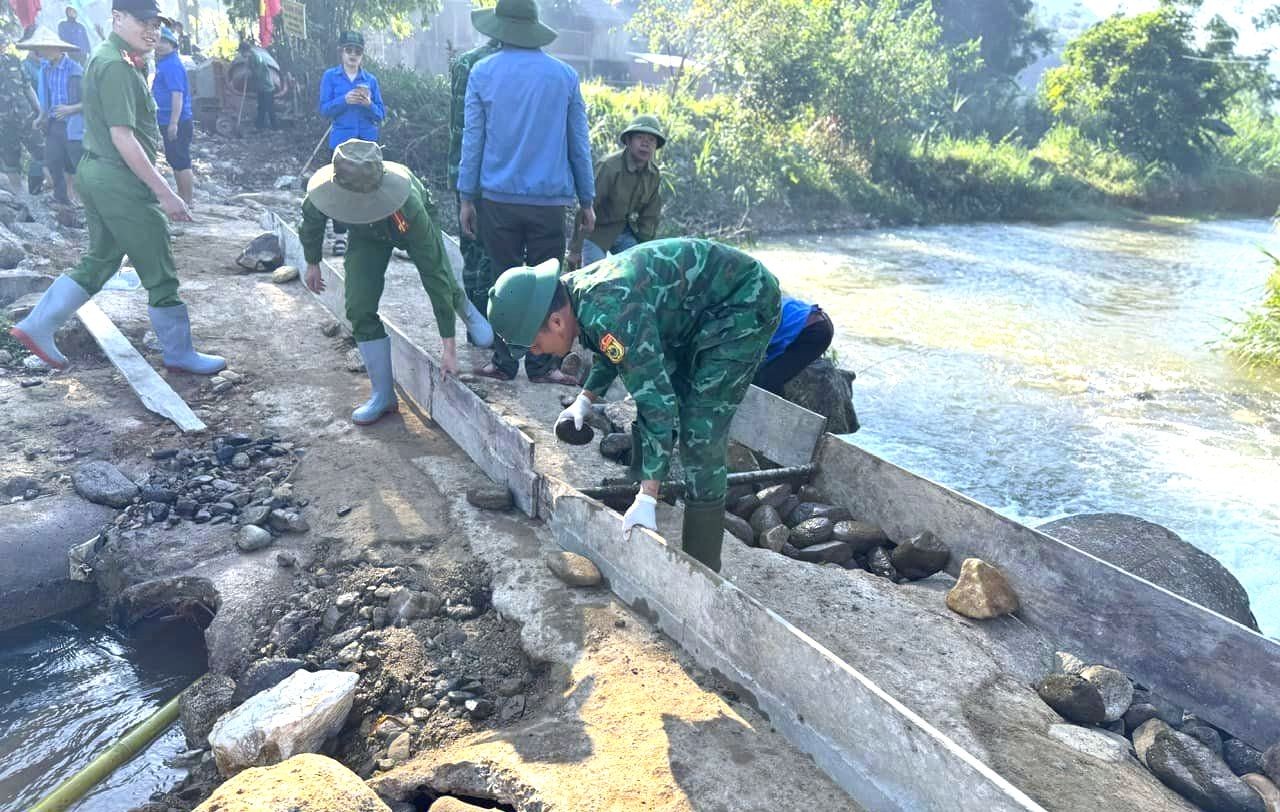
644, 124
359, 187
518, 304
514, 22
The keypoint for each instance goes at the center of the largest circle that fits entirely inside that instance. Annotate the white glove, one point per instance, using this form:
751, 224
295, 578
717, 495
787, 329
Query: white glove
578, 411
643, 512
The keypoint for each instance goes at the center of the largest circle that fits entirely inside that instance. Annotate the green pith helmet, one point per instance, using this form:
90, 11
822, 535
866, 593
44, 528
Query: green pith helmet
518, 303
644, 124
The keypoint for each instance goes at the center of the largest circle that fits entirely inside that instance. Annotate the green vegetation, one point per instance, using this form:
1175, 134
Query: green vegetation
1256, 340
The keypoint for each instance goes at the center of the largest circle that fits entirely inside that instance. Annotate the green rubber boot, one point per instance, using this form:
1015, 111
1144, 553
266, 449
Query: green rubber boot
703, 531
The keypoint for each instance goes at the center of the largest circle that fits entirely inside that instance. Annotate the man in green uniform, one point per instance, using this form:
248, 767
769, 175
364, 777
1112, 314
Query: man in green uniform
126, 201
685, 323
19, 110
476, 270
386, 208
628, 195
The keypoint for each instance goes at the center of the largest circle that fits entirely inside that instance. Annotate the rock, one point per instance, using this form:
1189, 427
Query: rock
813, 510
1069, 663
285, 182
19, 485
287, 521
150, 493
740, 528
11, 251
1114, 687
355, 362
296, 716
1241, 758
479, 708
399, 749
490, 497
263, 675
1074, 698
406, 605
286, 559
330, 329
1192, 770
774, 495
764, 519
861, 536
921, 556
616, 447
791, 503
824, 388
256, 514
1138, 714
981, 592
1266, 788
1271, 763
252, 538
305, 783
241, 461
203, 704
813, 531
745, 506
880, 563
1204, 733
294, 633
1094, 743
741, 459
1158, 555
574, 569
832, 552
102, 483
263, 254
454, 805
776, 538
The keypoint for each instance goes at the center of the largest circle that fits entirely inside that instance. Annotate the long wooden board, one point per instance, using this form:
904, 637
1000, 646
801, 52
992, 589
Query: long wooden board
777, 428
1211, 665
152, 390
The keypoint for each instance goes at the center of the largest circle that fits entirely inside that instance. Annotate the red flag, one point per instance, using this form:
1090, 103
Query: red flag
267, 11
28, 9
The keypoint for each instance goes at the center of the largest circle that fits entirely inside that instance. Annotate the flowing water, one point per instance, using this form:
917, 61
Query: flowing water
69, 688
1051, 370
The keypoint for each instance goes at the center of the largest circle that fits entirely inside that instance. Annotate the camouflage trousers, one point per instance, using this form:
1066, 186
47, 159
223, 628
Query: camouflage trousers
711, 385
477, 271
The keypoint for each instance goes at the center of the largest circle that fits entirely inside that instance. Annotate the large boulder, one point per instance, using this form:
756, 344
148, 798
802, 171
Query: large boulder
824, 388
294, 717
1191, 769
11, 250
263, 255
1159, 556
102, 483
203, 704
304, 783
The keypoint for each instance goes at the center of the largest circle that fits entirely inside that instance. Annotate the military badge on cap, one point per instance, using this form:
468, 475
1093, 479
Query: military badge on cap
612, 348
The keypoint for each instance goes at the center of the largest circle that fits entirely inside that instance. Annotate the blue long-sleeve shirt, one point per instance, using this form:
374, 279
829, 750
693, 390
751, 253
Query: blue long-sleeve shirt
524, 137
60, 84
171, 75
350, 120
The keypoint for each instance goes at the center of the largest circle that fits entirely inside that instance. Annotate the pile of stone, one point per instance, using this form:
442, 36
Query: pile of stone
1199, 761
237, 480
801, 523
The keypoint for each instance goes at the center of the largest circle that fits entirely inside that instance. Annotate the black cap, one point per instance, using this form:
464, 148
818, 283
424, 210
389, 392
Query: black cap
142, 9
351, 38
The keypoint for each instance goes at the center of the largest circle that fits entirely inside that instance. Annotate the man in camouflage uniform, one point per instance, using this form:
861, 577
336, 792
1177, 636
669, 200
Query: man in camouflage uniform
477, 274
18, 111
685, 323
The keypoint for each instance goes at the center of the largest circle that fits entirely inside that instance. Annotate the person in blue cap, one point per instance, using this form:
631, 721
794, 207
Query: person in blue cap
172, 93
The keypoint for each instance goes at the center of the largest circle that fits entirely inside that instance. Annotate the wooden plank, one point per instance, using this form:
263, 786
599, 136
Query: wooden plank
777, 428
152, 390
1218, 669
879, 751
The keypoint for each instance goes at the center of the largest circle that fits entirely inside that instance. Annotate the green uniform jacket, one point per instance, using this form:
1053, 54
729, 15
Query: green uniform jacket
15, 107
626, 195
649, 312
459, 73
111, 77
421, 238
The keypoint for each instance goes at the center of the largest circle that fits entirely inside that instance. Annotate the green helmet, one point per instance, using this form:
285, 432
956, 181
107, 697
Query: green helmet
518, 303
644, 124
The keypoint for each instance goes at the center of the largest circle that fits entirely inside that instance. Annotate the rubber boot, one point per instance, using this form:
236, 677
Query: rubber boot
173, 328
382, 398
703, 531
479, 332
63, 298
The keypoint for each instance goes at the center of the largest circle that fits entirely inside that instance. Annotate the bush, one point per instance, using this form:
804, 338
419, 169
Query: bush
1256, 340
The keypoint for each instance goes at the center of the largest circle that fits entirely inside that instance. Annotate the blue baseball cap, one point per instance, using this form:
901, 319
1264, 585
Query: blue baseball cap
166, 34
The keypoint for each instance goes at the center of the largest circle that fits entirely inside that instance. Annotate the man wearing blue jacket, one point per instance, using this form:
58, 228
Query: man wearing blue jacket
526, 156
350, 98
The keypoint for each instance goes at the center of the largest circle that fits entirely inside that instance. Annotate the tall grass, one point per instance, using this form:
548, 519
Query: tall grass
1256, 340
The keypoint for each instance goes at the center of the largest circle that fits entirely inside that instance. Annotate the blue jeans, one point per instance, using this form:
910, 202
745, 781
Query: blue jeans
594, 253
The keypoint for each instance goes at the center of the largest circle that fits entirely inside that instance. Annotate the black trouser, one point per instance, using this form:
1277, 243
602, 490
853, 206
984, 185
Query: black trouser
514, 234
807, 348
61, 158
266, 110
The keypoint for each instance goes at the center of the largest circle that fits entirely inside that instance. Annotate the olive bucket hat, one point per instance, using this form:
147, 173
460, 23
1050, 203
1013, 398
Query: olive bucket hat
514, 22
359, 187
644, 124
518, 304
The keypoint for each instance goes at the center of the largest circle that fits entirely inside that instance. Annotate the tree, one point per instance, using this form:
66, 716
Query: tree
1009, 39
1139, 84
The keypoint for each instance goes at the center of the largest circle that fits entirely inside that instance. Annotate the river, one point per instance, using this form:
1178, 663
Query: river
1051, 370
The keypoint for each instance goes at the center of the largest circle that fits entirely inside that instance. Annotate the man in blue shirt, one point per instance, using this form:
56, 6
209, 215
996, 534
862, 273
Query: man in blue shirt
73, 31
173, 111
60, 120
350, 98
526, 155
804, 333
35, 167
